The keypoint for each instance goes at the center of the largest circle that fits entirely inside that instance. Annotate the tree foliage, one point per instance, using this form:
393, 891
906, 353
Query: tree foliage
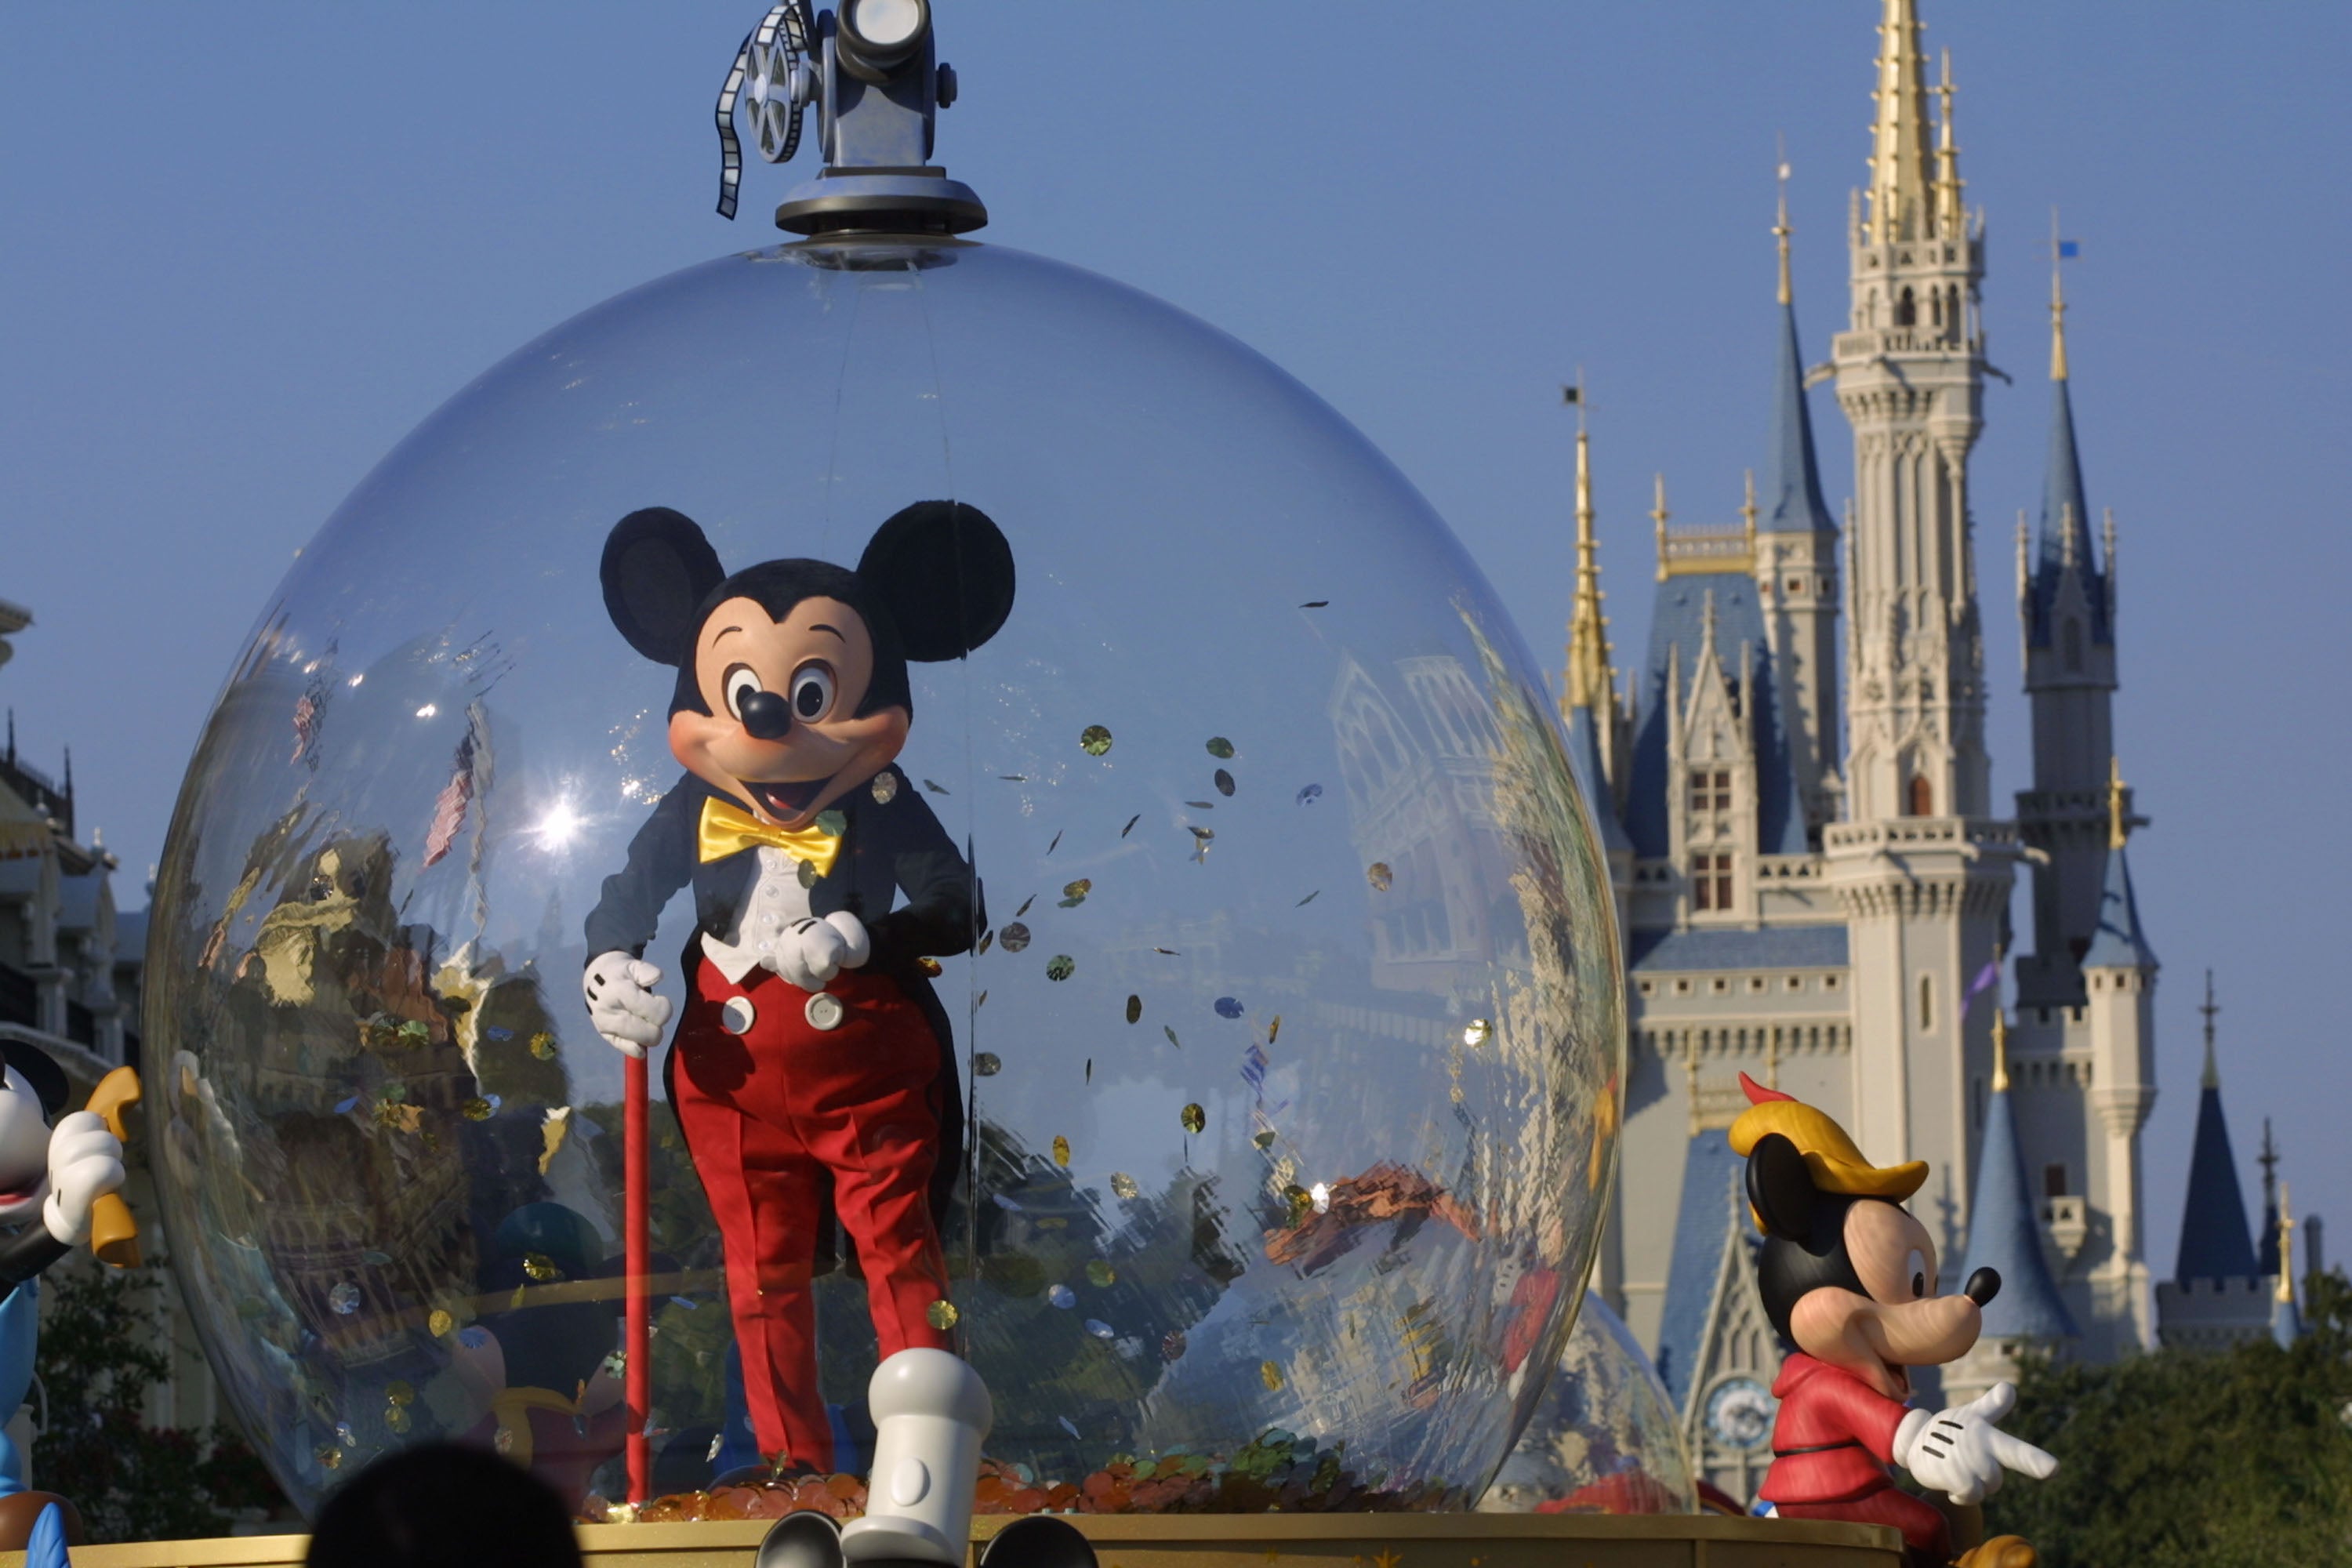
2233, 1459
131, 1481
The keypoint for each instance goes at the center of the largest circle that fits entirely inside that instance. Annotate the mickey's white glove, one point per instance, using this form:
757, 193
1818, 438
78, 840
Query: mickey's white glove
811, 951
620, 1002
85, 1164
1960, 1452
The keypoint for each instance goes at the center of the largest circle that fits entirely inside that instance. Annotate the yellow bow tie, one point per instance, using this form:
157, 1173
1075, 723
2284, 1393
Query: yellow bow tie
728, 830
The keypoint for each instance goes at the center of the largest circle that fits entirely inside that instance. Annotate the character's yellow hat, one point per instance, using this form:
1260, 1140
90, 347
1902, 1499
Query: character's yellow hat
1836, 1164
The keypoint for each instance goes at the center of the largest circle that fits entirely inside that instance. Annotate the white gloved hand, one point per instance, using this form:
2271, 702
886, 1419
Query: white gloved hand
1960, 1453
85, 1163
856, 946
620, 1002
811, 951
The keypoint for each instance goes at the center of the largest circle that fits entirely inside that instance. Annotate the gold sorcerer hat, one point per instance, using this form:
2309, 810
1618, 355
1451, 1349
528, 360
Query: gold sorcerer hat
1836, 1164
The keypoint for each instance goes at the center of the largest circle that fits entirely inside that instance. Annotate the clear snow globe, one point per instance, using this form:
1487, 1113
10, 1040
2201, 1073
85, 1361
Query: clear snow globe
1604, 1439
1270, 1088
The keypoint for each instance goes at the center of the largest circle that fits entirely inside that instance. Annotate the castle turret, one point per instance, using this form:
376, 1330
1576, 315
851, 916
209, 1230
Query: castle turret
2005, 1236
2066, 607
1796, 571
2216, 1297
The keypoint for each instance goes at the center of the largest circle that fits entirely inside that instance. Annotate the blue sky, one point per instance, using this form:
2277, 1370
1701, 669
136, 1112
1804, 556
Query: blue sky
252, 245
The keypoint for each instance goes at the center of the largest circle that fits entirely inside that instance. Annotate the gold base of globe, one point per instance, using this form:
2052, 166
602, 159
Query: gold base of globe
1214, 1540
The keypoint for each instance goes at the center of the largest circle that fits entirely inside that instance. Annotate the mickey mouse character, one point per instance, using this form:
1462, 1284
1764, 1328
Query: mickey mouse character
811, 1071
1848, 1277
50, 1181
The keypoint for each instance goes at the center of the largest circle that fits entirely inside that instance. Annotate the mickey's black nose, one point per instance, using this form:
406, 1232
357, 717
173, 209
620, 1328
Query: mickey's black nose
766, 715
1983, 1285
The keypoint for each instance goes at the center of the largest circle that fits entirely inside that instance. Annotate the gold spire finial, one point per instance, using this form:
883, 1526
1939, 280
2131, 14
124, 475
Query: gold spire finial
1658, 514
2118, 818
1947, 158
1590, 682
2057, 305
1780, 231
2212, 1079
2286, 1249
1999, 1047
1901, 178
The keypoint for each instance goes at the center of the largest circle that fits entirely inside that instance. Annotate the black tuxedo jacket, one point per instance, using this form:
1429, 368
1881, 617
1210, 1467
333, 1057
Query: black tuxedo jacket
885, 850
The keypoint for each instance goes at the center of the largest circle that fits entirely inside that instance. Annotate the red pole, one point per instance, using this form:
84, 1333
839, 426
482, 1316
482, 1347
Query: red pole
637, 1247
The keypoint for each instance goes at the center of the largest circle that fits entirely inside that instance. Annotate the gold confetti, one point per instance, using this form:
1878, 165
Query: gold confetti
1060, 1150
1061, 966
1134, 1009
1220, 748
1477, 1033
1224, 782
1274, 1030
1263, 1139
987, 941
552, 1134
1079, 889
1057, 840
1014, 937
439, 1323
1379, 876
400, 1391
1101, 1275
980, 1001
1130, 824
1271, 1375
1319, 605
514, 1302
477, 1110
395, 1416
540, 1266
543, 1046
930, 966
331, 1459
1025, 906
1193, 1118
1300, 1200
1308, 899
1202, 804
1123, 1186
884, 788
942, 1315
987, 1064
1170, 1033
934, 787
1095, 741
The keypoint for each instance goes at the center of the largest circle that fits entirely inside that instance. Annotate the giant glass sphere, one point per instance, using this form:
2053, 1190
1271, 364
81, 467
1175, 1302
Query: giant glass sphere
1606, 1438
1289, 1049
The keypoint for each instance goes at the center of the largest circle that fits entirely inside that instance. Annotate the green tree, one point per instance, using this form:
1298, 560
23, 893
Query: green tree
131, 1481
2236, 1459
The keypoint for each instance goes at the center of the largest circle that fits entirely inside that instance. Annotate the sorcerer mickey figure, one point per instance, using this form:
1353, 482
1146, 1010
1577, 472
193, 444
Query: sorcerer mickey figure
811, 1069
1848, 1278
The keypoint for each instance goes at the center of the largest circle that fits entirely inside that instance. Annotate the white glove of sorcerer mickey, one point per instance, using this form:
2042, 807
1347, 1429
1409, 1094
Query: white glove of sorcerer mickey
811, 951
621, 1001
85, 1164
1960, 1452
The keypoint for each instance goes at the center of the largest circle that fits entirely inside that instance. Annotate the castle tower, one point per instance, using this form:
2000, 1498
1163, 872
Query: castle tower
2005, 1236
2217, 1295
1796, 571
1597, 724
2119, 971
2066, 607
1921, 874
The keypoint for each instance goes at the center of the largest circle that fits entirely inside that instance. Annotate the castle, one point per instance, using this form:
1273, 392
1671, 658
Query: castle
1813, 878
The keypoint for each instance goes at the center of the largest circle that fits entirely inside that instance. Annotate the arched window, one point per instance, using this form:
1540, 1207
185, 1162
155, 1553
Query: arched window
1952, 308
1921, 801
2071, 635
1906, 309
1936, 306
1927, 1004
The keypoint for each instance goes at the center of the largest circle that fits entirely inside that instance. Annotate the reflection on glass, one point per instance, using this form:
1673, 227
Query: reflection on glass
1281, 1174
1604, 1440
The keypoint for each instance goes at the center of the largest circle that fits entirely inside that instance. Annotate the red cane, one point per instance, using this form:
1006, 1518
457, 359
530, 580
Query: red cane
637, 1255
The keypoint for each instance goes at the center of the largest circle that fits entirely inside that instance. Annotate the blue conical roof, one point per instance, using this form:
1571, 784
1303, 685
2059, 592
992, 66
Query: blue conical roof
1796, 480
2066, 528
2005, 1236
2118, 943
1584, 756
2287, 1323
2214, 1243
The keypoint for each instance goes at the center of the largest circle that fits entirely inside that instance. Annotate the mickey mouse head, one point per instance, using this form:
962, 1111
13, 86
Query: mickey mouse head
792, 675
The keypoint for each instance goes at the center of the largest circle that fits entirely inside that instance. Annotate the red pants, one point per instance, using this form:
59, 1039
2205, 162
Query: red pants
1921, 1523
773, 1118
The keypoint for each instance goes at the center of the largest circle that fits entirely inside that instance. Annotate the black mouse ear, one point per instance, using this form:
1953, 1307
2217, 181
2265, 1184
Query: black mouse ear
657, 570
1779, 1188
945, 571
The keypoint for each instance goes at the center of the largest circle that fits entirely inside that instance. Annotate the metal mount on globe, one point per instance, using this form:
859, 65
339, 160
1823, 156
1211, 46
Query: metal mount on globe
870, 68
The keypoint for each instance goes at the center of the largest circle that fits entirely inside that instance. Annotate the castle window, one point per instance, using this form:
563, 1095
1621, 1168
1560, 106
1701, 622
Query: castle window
1927, 1004
2072, 636
2053, 1181
1710, 789
1711, 881
1921, 799
1906, 309
1829, 981
1796, 983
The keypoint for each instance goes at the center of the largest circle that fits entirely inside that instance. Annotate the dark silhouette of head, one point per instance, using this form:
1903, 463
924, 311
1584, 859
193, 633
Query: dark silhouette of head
442, 1506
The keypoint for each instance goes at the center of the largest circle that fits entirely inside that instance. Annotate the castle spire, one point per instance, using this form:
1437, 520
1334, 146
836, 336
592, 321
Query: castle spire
1591, 681
2268, 1160
1948, 211
2214, 1241
2004, 1232
2212, 1075
2287, 1323
2057, 305
1902, 176
1795, 479
1780, 232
